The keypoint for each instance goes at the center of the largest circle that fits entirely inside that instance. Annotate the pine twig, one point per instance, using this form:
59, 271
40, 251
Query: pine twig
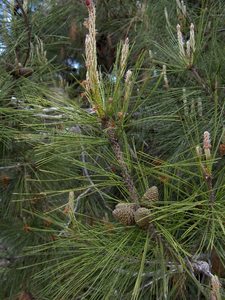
111, 133
16, 166
28, 27
199, 79
208, 179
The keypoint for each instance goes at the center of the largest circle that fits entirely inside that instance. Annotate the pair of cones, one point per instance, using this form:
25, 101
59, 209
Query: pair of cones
130, 213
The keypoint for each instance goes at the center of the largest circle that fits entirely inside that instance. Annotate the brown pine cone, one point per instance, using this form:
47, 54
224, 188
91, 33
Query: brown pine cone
124, 213
222, 149
142, 217
150, 196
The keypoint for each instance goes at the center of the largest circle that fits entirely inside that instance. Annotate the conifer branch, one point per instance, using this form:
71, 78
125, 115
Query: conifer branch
200, 79
113, 139
28, 29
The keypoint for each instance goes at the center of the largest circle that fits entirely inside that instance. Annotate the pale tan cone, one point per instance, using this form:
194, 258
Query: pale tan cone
150, 196
142, 217
124, 213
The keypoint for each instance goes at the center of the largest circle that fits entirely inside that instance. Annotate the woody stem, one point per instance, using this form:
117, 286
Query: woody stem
111, 133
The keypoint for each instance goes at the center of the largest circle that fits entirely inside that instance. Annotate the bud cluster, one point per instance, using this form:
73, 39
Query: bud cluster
165, 78
207, 145
195, 108
186, 50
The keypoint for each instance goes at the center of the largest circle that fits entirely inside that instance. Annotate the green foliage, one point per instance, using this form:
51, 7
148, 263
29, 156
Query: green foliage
67, 159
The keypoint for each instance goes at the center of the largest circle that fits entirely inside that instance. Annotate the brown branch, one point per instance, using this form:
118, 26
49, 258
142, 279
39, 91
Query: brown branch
207, 175
28, 27
160, 240
199, 79
208, 179
110, 130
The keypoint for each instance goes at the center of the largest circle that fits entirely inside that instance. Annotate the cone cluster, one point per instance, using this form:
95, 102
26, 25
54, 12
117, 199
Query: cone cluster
130, 213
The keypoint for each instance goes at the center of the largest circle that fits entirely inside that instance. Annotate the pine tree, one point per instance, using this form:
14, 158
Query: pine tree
112, 149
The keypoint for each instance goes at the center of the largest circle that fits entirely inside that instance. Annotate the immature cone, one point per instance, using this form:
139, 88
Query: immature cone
88, 2
222, 145
207, 145
142, 217
222, 149
124, 213
150, 196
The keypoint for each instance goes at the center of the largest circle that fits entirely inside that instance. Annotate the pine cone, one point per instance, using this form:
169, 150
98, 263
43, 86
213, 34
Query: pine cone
124, 213
142, 217
150, 196
222, 149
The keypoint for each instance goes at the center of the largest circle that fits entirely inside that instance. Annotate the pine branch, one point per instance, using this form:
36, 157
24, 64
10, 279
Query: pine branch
200, 79
28, 28
113, 139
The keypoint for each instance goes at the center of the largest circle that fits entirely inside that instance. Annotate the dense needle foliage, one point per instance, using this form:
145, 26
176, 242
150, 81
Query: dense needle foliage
112, 149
